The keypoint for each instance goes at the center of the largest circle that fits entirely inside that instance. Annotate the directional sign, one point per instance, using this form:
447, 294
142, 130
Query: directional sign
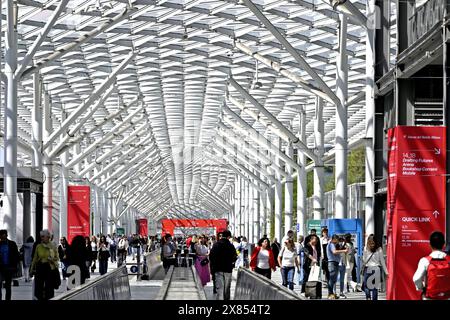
416, 196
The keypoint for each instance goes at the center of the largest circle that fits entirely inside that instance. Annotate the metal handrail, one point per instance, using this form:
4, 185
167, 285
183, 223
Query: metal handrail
107, 281
253, 286
198, 284
162, 294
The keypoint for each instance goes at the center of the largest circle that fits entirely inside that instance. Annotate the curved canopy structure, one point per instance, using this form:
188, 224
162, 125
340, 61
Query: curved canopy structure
147, 99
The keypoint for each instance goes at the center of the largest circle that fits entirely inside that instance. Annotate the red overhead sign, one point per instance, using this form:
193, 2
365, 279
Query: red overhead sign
143, 227
416, 202
169, 225
78, 211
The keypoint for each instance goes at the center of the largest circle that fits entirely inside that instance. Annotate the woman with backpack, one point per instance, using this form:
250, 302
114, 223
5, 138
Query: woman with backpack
288, 260
373, 259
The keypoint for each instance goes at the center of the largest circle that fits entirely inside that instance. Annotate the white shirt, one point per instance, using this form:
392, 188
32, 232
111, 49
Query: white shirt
420, 276
375, 260
288, 257
263, 259
202, 250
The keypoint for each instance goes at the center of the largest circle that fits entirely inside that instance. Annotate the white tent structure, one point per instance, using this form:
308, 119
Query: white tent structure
174, 108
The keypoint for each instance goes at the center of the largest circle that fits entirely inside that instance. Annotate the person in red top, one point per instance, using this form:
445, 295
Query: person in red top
188, 241
262, 260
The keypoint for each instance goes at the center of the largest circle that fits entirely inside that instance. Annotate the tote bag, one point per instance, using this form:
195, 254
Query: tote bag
314, 273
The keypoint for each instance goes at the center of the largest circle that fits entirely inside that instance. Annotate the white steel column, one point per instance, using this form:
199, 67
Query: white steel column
251, 213
76, 150
288, 191
64, 181
318, 167
36, 124
341, 122
302, 178
10, 124
370, 112
270, 209
237, 204
242, 209
251, 207
96, 211
257, 212
247, 208
104, 212
256, 217
47, 168
278, 197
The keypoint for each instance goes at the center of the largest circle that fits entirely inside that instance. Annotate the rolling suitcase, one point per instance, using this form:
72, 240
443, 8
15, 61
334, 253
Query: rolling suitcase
313, 290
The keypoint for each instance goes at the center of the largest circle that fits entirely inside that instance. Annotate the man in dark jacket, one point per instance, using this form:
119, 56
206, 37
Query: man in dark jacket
9, 259
222, 258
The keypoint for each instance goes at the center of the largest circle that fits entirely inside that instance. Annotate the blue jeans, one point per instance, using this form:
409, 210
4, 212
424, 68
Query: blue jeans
287, 274
333, 269
342, 278
374, 292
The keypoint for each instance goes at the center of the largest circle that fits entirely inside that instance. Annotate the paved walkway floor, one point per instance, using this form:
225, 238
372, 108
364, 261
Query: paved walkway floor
24, 290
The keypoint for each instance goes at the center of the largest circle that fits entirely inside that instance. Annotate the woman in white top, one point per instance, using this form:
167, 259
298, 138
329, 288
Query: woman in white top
202, 261
373, 265
262, 260
288, 260
94, 246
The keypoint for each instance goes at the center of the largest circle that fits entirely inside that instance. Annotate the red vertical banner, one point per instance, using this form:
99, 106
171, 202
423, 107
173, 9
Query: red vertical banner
143, 227
78, 211
416, 202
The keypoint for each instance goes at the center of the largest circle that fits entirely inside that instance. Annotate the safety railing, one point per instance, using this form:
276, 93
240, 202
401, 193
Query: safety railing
425, 18
253, 286
162, 294
111, 286
198, 284
151, 261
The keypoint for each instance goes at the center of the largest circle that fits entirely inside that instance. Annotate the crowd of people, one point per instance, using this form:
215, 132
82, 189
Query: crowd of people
42, 260
314, 258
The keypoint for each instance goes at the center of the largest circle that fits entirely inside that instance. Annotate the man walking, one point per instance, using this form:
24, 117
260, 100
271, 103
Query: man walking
432, 276
9, 259
222, 258
334, 257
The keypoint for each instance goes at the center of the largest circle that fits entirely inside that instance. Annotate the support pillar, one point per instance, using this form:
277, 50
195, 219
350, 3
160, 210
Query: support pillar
288, 191
105, 210
302, 178
318, 167
278, 199
96, 211
257, 212
47, 168
26, 231
36, 124
270, 212
10, 125
370, 118
341, 144
64, 182
247, 208
264, 212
